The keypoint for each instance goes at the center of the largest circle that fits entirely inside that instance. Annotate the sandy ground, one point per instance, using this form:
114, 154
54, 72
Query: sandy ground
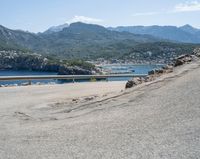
160, 119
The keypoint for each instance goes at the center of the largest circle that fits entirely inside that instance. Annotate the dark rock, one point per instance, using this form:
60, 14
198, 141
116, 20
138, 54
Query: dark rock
89, 98
178, 62
152, 72
156, 72
129, 84
74, 100
160, 71
182, 60
135, 81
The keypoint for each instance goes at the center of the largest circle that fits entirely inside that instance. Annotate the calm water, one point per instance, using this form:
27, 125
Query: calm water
135, 69
129, 69
25, 73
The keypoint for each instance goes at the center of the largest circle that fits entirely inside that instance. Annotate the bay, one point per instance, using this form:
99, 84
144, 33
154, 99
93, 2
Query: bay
116, 69
129, 69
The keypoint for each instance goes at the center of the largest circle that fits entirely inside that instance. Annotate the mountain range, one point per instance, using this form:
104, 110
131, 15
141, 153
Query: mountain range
74, 41
88, 41
186, 33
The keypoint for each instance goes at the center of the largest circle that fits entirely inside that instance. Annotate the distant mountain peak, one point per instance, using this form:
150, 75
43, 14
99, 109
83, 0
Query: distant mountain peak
81, 24
57, 28
85, 26
189, 28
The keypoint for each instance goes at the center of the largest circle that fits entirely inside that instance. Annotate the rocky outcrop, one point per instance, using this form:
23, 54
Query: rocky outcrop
12, 60
135, 81
153, 74
24, 61
158, 72
182, 60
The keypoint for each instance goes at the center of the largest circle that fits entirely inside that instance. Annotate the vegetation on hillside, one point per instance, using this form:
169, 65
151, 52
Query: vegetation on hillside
80, 42
159, 51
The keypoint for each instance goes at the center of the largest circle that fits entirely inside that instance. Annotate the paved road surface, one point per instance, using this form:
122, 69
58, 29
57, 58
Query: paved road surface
156, 120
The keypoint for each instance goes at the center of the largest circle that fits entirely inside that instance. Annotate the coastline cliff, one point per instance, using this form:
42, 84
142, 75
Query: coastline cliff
13, 60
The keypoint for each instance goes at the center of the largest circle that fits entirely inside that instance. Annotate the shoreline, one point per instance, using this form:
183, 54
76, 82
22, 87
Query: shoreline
41, 82
62, 119
105, 89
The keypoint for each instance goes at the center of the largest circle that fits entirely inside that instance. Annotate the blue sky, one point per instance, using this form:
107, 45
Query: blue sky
38, 15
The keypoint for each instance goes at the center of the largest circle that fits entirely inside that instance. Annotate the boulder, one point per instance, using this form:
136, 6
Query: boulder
156, 72
135, 81
159, 71
152, 72
178, 62
129, 84
182, 59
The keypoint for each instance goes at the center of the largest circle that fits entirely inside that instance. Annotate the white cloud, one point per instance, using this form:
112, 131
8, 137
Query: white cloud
84, 19
187, 6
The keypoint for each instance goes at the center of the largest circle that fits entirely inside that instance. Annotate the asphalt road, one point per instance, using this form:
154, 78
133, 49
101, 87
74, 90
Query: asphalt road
155, 120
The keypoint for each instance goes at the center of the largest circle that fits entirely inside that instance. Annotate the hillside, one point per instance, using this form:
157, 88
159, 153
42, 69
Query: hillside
90, 42
158, 52
186, 33
6, 42
79, 40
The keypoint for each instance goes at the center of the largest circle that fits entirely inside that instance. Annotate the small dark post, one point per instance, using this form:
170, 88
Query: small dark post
29, 82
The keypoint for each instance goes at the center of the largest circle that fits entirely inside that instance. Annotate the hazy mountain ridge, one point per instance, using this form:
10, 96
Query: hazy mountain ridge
186, 33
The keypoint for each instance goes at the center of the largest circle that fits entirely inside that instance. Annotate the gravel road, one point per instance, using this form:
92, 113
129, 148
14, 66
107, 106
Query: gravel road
155, 120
